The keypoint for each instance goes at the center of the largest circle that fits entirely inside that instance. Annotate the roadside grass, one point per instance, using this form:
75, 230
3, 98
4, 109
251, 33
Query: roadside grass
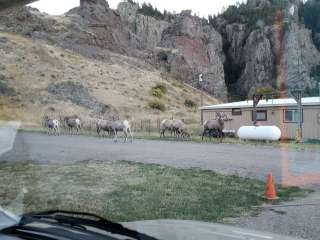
129, 191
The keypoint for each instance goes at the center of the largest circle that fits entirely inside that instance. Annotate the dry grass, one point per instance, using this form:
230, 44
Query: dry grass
123, 83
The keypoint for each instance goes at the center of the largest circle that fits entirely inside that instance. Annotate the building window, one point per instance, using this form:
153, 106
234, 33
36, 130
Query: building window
261, 115
291, 116
236, 111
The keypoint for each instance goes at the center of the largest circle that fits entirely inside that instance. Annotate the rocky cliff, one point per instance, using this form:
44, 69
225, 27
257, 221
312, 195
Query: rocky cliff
242, 50
267, 46
183, 48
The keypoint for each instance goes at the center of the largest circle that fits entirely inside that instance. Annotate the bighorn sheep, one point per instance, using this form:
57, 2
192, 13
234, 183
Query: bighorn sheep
121, 126
214, 127
52, 125
104, 125
180, 129
176, 127
72, 122
165, 125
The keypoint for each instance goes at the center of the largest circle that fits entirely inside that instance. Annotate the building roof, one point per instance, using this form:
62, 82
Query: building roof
283, 102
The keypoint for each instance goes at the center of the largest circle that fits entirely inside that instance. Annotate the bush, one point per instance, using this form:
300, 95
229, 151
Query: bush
156, 105
159, 90
162, 87
4, 87
190, 103
156, 92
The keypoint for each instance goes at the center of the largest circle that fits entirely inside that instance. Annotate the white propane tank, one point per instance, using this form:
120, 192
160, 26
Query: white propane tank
271, 133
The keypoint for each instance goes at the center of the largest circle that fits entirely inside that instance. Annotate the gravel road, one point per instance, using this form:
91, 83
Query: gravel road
244, 160
299, 218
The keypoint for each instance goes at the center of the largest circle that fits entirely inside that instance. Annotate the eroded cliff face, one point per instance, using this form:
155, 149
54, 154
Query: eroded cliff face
256, 57
198, 49
300, 55
146, 32
183, 48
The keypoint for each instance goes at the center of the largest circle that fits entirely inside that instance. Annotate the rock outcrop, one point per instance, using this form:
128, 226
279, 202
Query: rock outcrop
196, 48
253, 52
145, 31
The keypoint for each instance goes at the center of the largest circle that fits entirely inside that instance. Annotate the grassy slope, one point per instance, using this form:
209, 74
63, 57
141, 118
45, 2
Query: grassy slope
122, 82
125, 191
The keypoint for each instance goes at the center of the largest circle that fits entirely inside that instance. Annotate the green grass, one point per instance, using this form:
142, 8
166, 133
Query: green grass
127, 191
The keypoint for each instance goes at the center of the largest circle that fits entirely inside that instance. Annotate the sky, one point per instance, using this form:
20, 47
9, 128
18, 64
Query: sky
200, 7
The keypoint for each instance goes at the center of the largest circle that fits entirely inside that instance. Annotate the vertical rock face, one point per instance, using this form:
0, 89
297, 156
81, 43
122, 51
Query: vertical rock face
145, 31
185, 47
251, 54
198, 49
250, 59
104, 23
300, 54
258, 61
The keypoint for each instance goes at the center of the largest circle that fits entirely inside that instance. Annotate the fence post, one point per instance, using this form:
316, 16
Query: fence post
158, 124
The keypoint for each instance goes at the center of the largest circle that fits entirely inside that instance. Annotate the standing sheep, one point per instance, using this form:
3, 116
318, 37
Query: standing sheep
52, 125
121, 126
72, 122
214, 128
165, 125
104, 125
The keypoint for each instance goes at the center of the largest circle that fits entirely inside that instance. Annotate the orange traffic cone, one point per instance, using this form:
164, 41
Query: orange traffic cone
270, 192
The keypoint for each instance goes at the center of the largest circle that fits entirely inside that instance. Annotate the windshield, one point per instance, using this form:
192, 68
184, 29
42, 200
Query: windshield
158, 114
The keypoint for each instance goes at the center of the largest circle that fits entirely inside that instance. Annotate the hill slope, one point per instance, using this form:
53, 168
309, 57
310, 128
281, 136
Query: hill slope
37, 78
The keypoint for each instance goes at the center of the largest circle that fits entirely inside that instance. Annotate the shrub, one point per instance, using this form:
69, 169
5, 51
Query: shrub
162, 87
156, 105
159, 90
190, 103
4, 87
156, 92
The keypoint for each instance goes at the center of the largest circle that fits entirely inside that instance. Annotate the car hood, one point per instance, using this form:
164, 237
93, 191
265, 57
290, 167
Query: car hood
177, 229
7, 219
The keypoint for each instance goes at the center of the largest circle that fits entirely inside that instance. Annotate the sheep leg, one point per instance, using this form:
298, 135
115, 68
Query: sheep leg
125, 135
131, 136
115, 136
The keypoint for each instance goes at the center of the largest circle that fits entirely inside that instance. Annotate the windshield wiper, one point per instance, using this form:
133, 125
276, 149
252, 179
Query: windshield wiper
79, 219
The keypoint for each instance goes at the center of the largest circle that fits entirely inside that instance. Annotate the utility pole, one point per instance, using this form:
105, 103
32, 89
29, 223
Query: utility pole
297, 94
256, 99
201, 101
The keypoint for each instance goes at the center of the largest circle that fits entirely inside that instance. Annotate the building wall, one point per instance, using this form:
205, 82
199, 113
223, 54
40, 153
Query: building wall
275, 116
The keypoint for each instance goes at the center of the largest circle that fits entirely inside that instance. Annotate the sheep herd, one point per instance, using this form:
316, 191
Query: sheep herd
177, 128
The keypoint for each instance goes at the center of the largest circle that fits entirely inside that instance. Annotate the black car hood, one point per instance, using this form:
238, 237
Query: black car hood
187, 230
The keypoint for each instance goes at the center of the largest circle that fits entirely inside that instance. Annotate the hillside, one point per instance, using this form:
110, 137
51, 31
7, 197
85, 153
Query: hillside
37, 78
113, 58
